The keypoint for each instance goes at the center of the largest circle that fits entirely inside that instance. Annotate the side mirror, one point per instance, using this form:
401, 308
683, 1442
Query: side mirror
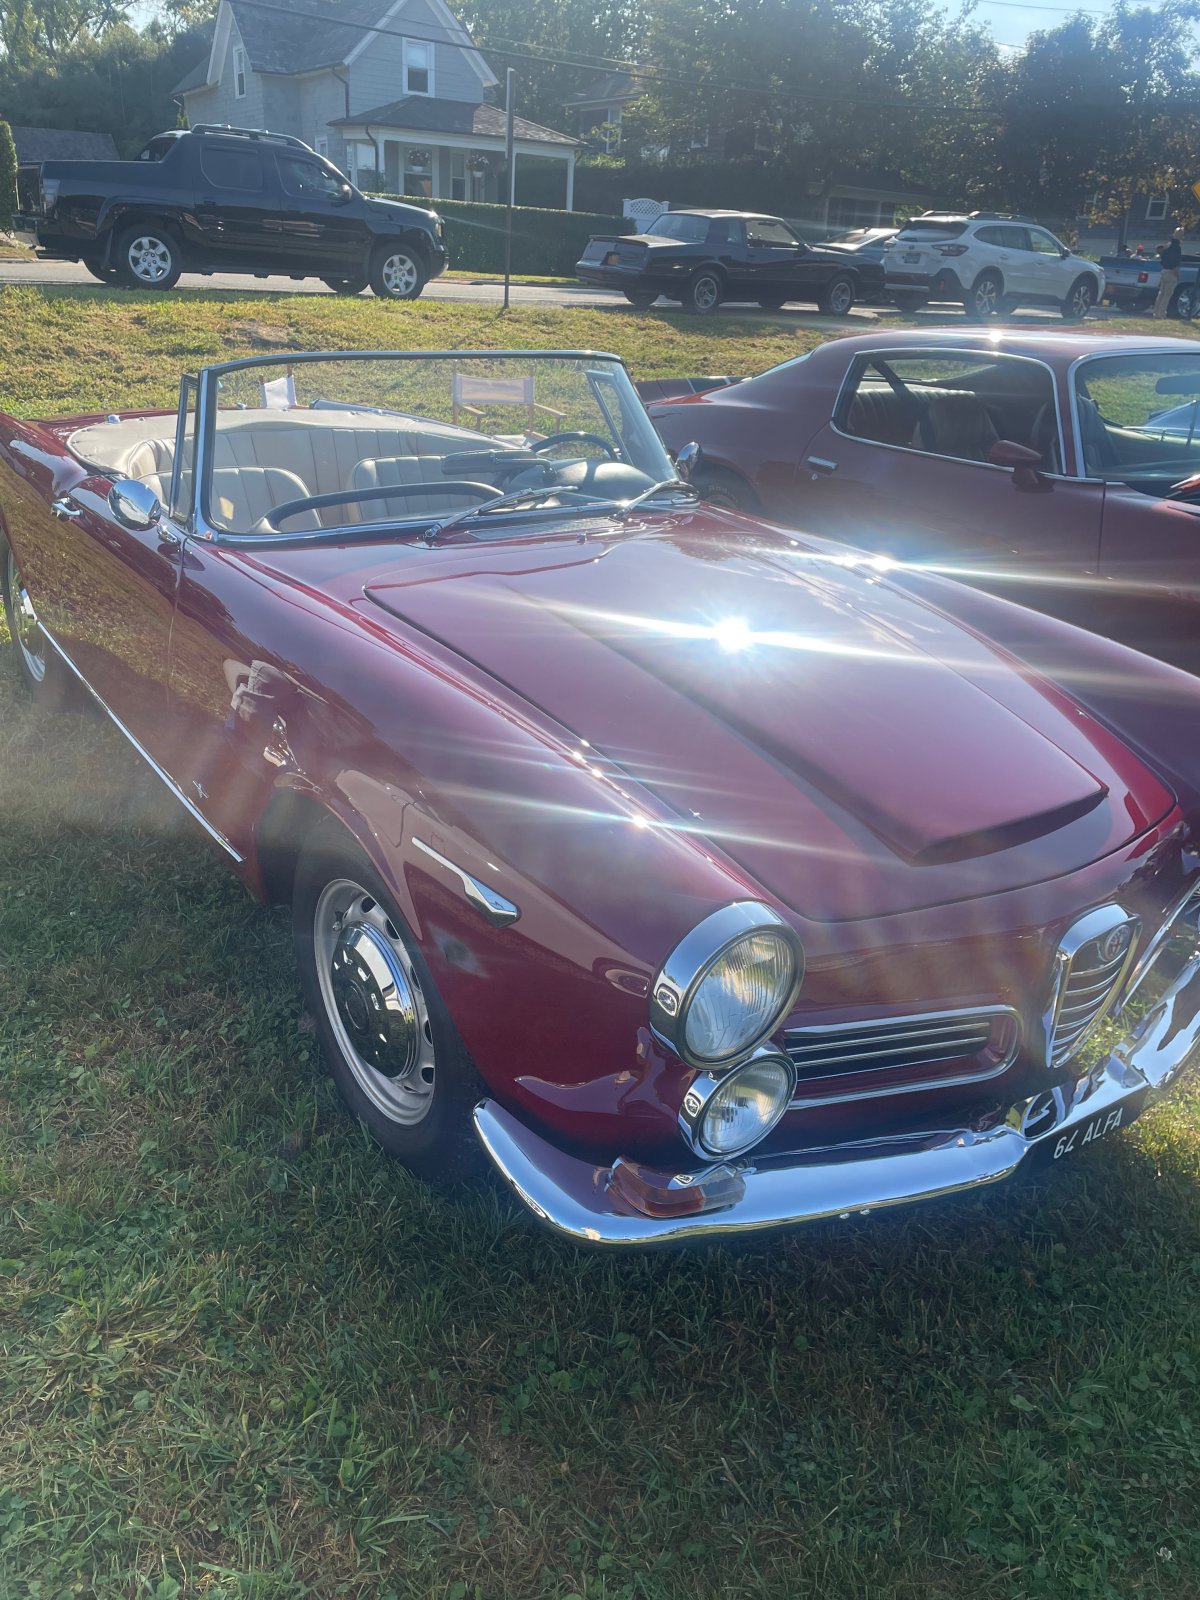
344, 195
689, 461
1025, 463
134, 504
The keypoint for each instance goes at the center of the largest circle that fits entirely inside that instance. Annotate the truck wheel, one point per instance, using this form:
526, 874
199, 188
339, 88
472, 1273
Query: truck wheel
984, 300
1183, 303
837, 297
147, 256
1080, 300
396, 273
345, 285
703, 295
99, 271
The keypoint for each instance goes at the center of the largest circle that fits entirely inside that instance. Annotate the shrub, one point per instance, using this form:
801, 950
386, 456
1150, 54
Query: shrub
8, 176
544, 242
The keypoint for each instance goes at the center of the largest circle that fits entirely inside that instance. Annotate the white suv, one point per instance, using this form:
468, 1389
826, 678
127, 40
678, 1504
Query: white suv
989, 262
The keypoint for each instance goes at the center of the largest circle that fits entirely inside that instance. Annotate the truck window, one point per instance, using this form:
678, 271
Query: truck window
232, 169
158, 148
306, 178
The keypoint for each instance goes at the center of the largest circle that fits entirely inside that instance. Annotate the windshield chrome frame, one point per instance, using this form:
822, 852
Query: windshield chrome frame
202, 525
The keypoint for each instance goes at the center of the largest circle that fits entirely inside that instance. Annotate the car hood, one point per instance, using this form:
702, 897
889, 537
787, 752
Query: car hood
397, 211
852, 748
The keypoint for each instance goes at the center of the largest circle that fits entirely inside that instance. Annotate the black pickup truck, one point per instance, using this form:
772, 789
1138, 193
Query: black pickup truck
217, 199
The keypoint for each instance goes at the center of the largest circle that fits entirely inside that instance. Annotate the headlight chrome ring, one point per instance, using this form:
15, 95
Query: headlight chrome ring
698, 958
724, 1114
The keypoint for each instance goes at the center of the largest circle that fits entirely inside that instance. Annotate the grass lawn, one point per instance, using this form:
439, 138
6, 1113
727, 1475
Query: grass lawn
242, 1356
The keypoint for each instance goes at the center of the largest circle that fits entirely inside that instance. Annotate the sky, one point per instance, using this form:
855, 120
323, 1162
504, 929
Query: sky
1011, 23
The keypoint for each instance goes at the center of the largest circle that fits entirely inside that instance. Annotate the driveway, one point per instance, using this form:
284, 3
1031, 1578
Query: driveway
478, 292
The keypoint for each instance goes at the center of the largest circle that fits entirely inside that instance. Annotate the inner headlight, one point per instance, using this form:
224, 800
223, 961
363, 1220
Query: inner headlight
728, 984
723, 1116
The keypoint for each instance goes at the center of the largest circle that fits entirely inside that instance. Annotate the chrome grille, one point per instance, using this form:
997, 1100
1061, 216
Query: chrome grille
1090, 969
898, 1055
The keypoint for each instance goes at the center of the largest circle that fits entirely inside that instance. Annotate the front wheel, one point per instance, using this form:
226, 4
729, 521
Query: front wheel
44, 675
99, 271
1080, 300
397, 273
385, 1034
836, 299
346, 286
147, 257
985, 298
720, 487
1183, 303
703, 295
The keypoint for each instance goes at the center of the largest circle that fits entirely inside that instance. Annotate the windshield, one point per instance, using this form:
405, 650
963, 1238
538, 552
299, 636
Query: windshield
1139, 418
349, 443
680, 225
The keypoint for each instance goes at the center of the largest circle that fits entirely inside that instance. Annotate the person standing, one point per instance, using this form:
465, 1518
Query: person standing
1172, 256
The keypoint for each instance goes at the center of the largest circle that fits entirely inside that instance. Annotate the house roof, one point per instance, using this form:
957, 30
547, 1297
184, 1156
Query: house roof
418, 113
612, 86
62, 144
326, 34
195, 79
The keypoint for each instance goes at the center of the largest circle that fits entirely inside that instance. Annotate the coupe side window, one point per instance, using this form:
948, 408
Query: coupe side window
955, 405
765, 230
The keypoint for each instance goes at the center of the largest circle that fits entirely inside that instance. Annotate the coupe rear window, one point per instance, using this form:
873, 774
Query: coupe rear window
681, 225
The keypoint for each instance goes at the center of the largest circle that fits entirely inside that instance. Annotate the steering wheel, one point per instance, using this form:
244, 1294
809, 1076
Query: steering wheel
393, 491
572, 437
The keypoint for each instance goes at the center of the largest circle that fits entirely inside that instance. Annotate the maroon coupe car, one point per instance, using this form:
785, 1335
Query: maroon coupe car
1060, 469
706, 877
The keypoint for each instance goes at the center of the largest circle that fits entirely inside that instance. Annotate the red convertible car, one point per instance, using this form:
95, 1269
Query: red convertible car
1060, 469
706, 877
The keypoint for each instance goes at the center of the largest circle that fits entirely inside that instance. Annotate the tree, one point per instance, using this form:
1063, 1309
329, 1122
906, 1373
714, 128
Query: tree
8, 176
32, 30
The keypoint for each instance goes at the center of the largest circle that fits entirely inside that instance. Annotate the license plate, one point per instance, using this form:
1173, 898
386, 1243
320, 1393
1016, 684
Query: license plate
912, 255
1111, 1120
611, 259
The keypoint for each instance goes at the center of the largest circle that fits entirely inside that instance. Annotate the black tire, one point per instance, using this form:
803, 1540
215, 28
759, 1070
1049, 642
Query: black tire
985, 297
421, 1116
773, 302
908, 302
99, 271
147, 256
836, 299
397, 272
641, 299
346, 286
1079, 301
42, 672
1183, 303
704, 294
720, 487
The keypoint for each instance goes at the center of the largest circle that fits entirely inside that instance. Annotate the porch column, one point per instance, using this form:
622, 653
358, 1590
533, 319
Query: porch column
570, 180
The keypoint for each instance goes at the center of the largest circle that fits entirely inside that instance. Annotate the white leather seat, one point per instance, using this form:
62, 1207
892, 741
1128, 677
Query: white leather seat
242, 495
380, 472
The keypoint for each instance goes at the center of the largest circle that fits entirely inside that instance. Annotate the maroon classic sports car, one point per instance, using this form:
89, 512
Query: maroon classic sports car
1061, 469
705, 877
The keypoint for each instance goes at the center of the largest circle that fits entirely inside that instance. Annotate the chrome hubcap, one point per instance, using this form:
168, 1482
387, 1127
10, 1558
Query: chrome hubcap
149, 259
29, 638
839, 300
374, 1003
399, 275
706, 294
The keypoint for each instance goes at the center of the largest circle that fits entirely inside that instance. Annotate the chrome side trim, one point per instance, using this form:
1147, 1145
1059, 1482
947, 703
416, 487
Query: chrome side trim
493, 907
575, 1197
938, 350
1154, 945
197, 816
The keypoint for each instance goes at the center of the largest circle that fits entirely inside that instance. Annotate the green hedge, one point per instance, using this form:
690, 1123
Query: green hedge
544, 242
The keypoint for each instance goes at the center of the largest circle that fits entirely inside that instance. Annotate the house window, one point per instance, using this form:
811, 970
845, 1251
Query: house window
418, 67
418, 172
239, 74
1156, 208
321, 146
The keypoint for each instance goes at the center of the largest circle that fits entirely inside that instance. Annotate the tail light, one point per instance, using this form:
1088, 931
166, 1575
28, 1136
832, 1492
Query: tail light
1143, 277
952, 249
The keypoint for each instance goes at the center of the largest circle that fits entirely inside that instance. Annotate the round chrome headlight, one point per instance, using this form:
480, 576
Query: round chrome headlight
727, 985
724, 1115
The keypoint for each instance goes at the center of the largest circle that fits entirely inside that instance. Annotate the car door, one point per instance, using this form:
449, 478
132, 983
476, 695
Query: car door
874, 477
1049, 272
319, 229
1008, 252
236, 195
775, 263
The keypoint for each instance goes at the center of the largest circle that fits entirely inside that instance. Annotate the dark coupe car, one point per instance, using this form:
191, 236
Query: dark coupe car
1060, 469
703, 258
703, 877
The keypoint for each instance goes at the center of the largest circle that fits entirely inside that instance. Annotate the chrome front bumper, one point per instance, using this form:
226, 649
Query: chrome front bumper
576, 1197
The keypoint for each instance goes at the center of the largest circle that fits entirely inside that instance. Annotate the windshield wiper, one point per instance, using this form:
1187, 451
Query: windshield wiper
514, 497
689, 489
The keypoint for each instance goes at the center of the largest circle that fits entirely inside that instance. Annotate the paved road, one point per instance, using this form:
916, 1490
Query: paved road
477, 293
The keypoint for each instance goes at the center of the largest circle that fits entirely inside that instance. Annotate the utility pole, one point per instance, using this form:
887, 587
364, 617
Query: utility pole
509, 96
